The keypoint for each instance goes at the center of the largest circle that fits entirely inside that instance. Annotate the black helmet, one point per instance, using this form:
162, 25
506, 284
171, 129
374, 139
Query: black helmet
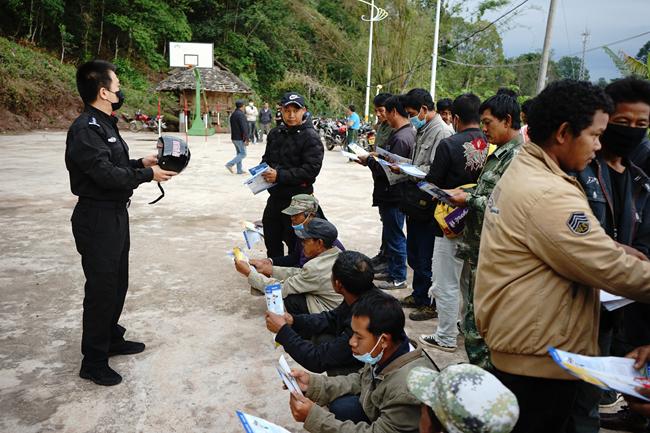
173, 153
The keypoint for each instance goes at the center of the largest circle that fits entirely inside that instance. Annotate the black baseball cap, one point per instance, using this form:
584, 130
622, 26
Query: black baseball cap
318, 228
293, 98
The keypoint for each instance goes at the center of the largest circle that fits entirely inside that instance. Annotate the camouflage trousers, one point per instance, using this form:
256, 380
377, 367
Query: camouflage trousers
477, 351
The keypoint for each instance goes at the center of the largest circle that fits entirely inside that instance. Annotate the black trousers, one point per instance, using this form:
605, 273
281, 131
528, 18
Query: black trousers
101, 233
296, 304
545, 405
277, 227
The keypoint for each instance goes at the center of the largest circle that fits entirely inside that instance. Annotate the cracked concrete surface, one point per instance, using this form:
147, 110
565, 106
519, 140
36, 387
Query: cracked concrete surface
208, 351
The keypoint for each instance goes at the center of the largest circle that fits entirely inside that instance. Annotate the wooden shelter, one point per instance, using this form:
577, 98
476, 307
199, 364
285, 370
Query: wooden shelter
220, 86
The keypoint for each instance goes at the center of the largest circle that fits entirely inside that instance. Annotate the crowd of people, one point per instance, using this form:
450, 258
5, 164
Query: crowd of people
550, 212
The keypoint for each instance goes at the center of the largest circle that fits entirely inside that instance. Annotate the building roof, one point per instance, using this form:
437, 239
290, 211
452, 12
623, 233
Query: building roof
217, 79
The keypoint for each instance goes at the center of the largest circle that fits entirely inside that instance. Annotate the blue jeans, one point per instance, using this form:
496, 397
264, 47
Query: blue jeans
420, 237
240, 148
348, 408
394, 241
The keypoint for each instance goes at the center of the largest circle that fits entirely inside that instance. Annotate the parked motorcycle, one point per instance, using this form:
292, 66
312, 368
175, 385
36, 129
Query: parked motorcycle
366, 137
332, 132
141, 121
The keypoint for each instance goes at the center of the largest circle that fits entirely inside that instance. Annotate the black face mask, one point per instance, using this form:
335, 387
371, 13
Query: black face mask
622, 140
120, 100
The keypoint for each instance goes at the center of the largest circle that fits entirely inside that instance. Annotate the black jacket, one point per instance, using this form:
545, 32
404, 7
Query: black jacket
318, 358
400, 142
634, 229
97, 159
265, 116
238, 126
641, 155
297, 155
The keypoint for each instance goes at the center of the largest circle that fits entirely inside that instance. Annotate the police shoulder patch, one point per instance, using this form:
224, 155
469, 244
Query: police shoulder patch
578, 223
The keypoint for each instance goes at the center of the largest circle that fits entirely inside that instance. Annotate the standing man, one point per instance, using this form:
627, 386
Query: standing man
459, 160
421, 227
294, 152
500, 124
353, 122
251, 117
239, 135
266, 116
382, 128
443, 107
539, 228
103, 177
386, 196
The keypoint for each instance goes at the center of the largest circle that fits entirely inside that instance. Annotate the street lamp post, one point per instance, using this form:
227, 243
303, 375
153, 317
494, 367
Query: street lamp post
434, 59
376, 14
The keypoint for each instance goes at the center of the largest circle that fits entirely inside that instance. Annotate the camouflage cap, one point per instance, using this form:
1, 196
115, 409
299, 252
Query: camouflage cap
302, 203
465, 398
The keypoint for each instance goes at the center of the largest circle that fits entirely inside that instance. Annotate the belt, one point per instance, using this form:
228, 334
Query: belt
105, 204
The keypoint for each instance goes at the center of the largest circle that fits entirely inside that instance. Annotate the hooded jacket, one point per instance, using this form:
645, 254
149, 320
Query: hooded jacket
296, 153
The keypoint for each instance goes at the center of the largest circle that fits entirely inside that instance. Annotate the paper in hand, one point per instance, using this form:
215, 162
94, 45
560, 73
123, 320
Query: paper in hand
285, 374
349, 155
435, 192
253, 424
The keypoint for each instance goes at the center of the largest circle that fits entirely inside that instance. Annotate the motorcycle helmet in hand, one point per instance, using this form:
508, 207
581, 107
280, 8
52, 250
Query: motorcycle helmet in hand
173, 153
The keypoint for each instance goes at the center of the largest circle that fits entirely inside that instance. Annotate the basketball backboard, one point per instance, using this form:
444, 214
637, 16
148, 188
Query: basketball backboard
183, 54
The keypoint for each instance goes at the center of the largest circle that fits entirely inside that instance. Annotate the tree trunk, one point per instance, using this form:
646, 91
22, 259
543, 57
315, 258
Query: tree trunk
31, 15
101, 29
116, 40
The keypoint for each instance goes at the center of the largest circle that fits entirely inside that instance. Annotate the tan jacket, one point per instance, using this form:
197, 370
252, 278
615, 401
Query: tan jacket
314, 280
385, 399
542, 252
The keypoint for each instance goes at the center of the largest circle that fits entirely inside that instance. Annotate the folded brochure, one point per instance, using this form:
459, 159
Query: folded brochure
607, 372
253, 424
285, 374
435, 192
256, 183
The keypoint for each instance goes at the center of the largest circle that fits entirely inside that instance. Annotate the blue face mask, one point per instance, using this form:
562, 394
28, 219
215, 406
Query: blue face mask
300, 226
416, 122
367, 358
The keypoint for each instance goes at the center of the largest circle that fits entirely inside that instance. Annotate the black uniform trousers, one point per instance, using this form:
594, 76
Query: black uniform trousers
101, 233
277, 227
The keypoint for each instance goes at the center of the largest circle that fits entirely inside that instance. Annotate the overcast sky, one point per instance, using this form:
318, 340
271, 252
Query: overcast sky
606, 20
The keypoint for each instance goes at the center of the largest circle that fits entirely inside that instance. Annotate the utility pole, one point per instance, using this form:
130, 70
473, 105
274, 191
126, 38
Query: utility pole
585, 37
546, 52
434, 60
376, 14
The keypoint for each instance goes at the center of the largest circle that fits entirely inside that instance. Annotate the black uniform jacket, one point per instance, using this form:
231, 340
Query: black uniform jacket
97, 159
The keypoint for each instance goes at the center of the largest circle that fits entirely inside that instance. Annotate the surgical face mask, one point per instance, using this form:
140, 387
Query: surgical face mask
621, 140
367, 358
416, 122
120, 100
300, 226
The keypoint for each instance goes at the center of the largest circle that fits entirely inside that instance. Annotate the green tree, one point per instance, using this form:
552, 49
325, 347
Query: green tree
569, 68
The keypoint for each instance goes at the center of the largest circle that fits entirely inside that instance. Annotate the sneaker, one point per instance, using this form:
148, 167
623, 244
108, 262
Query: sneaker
609, 402
408, 302
101, 375
430, 341
391, 285
380, 267
623, 420
424, 312
379, 258
126, 348
229, 168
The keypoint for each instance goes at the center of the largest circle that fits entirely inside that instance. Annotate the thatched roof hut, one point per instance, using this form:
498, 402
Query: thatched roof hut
221, 88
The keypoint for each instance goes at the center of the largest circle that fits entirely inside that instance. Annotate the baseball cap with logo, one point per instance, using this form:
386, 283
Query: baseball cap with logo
318, 228
293, 98
302, 203
465, 398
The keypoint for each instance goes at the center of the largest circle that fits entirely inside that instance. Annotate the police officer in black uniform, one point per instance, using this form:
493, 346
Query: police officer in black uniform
294, 152
103, 177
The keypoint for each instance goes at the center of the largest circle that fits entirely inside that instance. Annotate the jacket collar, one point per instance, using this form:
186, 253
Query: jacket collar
100, 114
400, 362
538, 153
294, 129
502, 150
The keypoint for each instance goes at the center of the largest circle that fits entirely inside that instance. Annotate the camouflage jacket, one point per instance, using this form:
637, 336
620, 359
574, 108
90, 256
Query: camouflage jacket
382, 133
494, 167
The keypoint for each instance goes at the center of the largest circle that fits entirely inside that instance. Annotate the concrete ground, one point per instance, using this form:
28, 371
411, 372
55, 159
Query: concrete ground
208, 351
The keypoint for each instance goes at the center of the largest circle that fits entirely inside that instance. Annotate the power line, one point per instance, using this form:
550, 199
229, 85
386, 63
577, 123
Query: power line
502, 65
490, 24
613, 43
